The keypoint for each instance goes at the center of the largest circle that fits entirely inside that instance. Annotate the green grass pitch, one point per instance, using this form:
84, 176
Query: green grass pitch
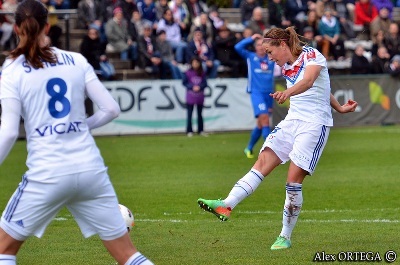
350, 203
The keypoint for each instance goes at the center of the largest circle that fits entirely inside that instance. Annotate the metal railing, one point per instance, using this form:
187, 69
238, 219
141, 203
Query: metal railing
64, 14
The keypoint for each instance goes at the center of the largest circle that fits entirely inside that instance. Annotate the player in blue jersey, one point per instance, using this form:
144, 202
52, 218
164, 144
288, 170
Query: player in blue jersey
260, 84
47, 87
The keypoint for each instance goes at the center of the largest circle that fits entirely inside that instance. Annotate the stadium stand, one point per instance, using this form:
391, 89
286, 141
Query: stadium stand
72, 37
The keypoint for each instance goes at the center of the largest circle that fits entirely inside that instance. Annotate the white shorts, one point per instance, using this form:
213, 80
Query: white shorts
299, 141
89, 196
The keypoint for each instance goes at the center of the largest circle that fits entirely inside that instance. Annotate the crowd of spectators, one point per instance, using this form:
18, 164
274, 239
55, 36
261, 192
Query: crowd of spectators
187, 28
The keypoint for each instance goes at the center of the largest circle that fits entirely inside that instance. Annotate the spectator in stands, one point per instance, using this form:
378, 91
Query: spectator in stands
388, 4
55, 30
94, 51
161, 6
147, 10
136, 24
167, 56
364, 13
247, 33
88, 12
359, 63
199, 48
149, 54
61, 4
322, 5
331, 43
195, 82
119, 39
225, 50
107, 7
351, 5
312, 40
392, 40
394, 66
205, 25
236, 3
296, 11
258, 22
7, 39
181, 16
380, 61
380, 23
277, 14
341, 12
127, 6
196, 7
246, 10
215, 18
312, 21
377, 42
73, 4
174, 36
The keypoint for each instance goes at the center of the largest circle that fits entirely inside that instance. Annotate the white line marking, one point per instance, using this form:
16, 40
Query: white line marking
324, 211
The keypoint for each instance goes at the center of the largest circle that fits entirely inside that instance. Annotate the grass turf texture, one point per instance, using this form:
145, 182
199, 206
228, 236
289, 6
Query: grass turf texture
350, 203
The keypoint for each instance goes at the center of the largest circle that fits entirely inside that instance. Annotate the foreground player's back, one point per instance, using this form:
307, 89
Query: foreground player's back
52, 106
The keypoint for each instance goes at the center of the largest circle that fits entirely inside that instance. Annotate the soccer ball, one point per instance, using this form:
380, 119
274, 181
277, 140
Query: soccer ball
128, 217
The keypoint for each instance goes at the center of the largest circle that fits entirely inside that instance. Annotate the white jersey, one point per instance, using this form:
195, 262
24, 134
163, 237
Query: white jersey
52, 99
312, 105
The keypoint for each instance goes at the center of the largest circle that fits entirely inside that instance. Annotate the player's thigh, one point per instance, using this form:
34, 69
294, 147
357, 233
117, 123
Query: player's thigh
34, 204
96, 208
309, 144
280, 140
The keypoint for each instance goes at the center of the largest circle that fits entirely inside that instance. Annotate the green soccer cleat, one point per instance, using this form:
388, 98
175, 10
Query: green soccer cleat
281, 243
216, 207
248, 153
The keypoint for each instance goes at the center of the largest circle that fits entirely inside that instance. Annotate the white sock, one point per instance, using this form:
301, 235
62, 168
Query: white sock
243, 188
8, 259
137, 259
292, 208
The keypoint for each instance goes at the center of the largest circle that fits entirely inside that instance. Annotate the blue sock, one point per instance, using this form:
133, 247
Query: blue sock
265, 131
254, 136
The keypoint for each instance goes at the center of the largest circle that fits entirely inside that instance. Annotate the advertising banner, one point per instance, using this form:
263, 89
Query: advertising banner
158, 106
378, 98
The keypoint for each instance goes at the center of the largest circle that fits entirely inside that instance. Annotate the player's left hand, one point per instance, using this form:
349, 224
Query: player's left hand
280, 96
350, 106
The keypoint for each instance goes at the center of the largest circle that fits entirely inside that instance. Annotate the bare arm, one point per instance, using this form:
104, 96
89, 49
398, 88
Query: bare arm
310, 75
350, 105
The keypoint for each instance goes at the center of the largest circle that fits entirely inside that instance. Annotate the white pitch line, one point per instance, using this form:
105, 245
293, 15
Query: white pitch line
350, 221
260, 221
323, 211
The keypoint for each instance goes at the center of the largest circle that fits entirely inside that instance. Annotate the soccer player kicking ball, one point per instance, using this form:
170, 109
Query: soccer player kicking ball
300, 137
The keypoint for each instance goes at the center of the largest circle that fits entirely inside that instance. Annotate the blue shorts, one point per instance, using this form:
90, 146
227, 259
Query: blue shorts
262, 103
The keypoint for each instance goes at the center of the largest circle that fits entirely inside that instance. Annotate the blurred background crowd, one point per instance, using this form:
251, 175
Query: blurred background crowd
160, 37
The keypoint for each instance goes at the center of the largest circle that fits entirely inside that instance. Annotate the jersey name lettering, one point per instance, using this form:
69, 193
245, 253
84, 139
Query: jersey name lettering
65, 59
